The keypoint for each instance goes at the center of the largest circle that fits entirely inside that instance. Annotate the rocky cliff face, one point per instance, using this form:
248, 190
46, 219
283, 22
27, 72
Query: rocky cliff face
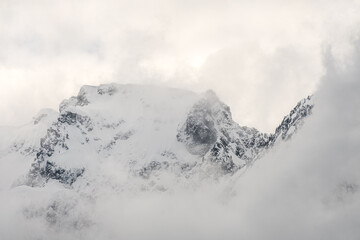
210, 132
147, 129
293, 121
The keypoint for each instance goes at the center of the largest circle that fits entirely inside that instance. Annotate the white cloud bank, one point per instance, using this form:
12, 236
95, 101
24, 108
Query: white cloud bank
308, 188
252, 53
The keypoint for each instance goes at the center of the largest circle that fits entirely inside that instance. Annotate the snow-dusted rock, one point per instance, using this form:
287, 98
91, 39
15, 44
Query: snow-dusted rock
26, 139
293, 121
145, 128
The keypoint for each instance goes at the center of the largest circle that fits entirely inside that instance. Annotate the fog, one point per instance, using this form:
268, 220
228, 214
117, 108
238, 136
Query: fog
252, 53
306, 188
260, 62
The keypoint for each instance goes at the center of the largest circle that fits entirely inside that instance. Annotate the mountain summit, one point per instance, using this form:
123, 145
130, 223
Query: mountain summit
147, 128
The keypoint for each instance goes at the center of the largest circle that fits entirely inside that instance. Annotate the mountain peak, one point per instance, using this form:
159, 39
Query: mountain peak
146, 128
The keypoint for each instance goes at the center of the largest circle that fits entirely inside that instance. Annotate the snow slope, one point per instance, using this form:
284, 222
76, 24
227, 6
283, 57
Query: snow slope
112, 142
142, 128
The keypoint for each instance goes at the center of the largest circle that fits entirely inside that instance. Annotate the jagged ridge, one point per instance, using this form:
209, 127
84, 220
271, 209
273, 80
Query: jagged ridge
151, 128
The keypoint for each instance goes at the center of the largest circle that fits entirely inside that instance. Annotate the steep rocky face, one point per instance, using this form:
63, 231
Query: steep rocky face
210, 132
199, 131
149, 129
293, 121
131, 124
43, 167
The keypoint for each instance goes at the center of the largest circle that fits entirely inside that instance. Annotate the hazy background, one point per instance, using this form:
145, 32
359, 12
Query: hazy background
306, 188
261, 57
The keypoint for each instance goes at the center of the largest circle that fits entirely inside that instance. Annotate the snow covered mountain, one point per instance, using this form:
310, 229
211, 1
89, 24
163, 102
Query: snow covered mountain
114, 142
145, 128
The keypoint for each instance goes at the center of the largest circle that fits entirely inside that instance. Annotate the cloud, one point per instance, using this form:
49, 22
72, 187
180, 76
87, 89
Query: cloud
307, 188
50, 48
264, 85
260, 57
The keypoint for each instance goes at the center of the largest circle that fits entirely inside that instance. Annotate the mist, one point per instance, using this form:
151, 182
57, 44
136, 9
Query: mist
252, 53
260, 63
307, 187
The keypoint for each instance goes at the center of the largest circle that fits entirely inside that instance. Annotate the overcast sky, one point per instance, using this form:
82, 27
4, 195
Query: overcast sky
261, 57
305, 188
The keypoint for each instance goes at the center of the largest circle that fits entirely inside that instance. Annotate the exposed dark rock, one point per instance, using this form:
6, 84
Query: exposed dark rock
39, 118
292, 122
113, 125
169, 155
151, 167
209, 131
49, 142
42, 171
106, 89
51, 171
156, 166
123, 135
198, 132
74, 119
